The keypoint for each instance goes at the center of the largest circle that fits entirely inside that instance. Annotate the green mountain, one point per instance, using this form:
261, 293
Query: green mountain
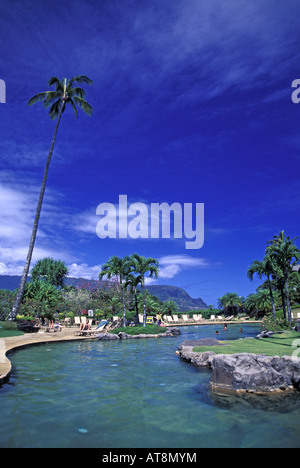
165, 293
172, 293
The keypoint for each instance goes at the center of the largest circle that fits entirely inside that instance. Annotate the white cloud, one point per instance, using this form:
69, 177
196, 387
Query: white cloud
184, 261
84, 271
172, 265
17, 210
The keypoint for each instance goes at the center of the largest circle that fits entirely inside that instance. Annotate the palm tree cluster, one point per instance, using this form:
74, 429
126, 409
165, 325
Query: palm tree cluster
281, 255
131, 271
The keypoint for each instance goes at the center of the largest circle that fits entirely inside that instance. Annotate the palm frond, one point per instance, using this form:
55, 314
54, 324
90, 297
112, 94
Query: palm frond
54, 109
51, 96
80, 92
84, 105
74, 107
38, 97
81, 79
55, 81
64, 94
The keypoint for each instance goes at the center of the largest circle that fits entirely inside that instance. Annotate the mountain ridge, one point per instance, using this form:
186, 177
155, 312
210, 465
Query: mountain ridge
163, 292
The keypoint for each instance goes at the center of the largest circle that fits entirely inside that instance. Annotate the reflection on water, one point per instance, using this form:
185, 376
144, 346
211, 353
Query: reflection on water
284, 402
134, 394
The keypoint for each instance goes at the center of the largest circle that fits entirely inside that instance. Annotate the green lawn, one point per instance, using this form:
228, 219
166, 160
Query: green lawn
279, 345
9, 329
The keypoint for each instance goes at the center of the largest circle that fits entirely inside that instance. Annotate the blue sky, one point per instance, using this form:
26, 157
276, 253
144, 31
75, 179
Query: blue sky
192, 104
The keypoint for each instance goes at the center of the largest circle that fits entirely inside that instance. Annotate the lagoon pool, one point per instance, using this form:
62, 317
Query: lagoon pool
132, 394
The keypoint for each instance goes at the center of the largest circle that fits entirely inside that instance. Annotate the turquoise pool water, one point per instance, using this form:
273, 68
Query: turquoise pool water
134, 393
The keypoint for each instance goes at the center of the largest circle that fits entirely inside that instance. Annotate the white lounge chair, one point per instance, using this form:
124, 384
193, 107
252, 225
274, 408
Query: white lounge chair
77, 320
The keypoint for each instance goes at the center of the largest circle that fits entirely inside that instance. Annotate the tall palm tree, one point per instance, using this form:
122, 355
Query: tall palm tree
264, 268
117, 267
143, 266
65, 94
285, 254
133, 282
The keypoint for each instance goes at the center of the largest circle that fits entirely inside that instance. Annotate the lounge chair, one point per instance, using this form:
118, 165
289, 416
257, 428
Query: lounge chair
197, 317
175, 318
185, 318
67, 322
102, 325
77, 320
141, 318
169, 319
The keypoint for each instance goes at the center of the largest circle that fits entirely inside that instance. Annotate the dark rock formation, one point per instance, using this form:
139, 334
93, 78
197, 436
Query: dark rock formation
254, 373
27, 326
107, 337
244, 372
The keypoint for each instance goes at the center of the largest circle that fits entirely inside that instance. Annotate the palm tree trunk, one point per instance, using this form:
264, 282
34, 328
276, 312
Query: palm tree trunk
283, 300
124, 308
20, 294
136, 303
272, 298
287, 296
144, 303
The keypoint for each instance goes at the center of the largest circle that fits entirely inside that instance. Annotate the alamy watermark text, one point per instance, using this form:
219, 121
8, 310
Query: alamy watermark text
2, 92
154, 221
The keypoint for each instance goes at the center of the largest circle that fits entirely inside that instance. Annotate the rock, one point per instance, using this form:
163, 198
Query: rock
107, 337
265, 334
243, 372
185, 351
27, 326
254, 373
122, 336
174, 331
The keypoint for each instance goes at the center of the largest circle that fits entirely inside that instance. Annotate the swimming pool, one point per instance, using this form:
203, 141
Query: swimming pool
134, 393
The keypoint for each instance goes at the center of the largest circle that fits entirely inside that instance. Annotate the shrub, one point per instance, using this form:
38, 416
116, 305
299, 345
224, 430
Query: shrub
278, 324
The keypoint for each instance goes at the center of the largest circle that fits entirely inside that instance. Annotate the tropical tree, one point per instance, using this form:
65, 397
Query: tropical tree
170, 307
285, 254
65, 94
263, 301
251, 304
265, 268
144, 267
120, 268
230, 302
50, 270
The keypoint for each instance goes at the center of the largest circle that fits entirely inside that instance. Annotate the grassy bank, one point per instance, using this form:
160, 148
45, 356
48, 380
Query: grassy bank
8, 329
279, 345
